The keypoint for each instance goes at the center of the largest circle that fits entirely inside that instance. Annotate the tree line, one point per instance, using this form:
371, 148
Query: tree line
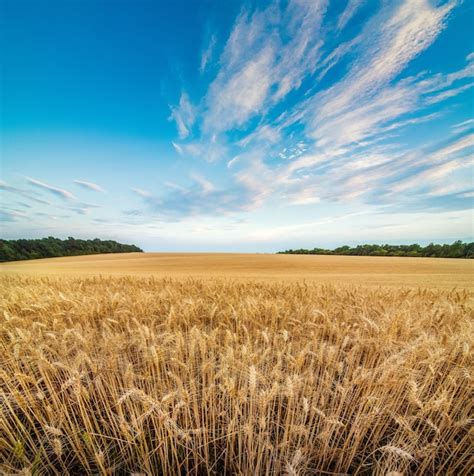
13, 250
458, 249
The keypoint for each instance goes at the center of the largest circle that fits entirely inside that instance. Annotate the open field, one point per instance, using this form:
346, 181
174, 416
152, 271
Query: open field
424, 272
170, 364
136, 375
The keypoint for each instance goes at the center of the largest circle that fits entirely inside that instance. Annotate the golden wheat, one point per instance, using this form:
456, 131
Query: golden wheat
352, 270
156, 376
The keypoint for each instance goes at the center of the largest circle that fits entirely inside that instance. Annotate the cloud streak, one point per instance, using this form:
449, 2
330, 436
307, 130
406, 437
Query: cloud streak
202, 198
11, 215
207, 54
22, 193
339, 142
258, 67
89, 186
58, 192
351, 9
184, 116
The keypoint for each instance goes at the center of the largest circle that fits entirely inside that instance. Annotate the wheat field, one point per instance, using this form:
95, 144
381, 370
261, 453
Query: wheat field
353, 270
146, 375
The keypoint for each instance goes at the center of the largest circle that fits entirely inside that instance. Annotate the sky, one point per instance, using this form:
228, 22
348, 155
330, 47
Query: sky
250, 126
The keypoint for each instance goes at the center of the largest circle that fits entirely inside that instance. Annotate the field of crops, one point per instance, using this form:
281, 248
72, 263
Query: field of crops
144, 375
353, 270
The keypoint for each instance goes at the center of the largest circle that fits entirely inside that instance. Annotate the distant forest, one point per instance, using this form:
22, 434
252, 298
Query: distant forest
456, 250
13, 250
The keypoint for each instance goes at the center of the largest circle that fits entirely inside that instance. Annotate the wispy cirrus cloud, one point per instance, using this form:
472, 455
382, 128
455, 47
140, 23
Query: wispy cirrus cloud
197, 200
430, 177
177, 148
366, 98
184, 115
344, 123
58, 192
50, 216
206, 185
68, 200
449, 93
22, 193
200, 196
462, 127
259, 66
11, 215
89, 186
82, 208
351, 9
142, 193
209, 149
207, 54
349, 130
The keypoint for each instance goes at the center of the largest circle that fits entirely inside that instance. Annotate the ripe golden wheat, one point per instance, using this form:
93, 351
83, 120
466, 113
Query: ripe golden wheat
146, 376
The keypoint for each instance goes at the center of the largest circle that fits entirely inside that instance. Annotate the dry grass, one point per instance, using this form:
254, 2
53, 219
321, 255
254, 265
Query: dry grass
139, 375
353, 270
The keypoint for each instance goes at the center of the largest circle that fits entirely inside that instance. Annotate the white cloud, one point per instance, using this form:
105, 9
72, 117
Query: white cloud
206, 185
426, 178
204, 200
259, 67
437, 165
363, 119
142, 193
59, 192
207, 54
233, 161
462, 127
266, 133
459, 187
305, 196
336, 55
442, 96
208, 150
234, 98
271, 52
184, 115
178, 148
441, 81
350, 10
23, 193
457, 146
364, 99
90, 186
354, 114
11, 215
299, 57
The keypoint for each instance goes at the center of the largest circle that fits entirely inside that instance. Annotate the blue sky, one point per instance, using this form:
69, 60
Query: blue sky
237, 126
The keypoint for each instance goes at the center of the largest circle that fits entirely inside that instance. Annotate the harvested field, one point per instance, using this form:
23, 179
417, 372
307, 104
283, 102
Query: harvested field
136, 375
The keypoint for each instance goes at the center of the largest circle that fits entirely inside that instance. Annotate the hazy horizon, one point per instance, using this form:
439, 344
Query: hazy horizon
251, 126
